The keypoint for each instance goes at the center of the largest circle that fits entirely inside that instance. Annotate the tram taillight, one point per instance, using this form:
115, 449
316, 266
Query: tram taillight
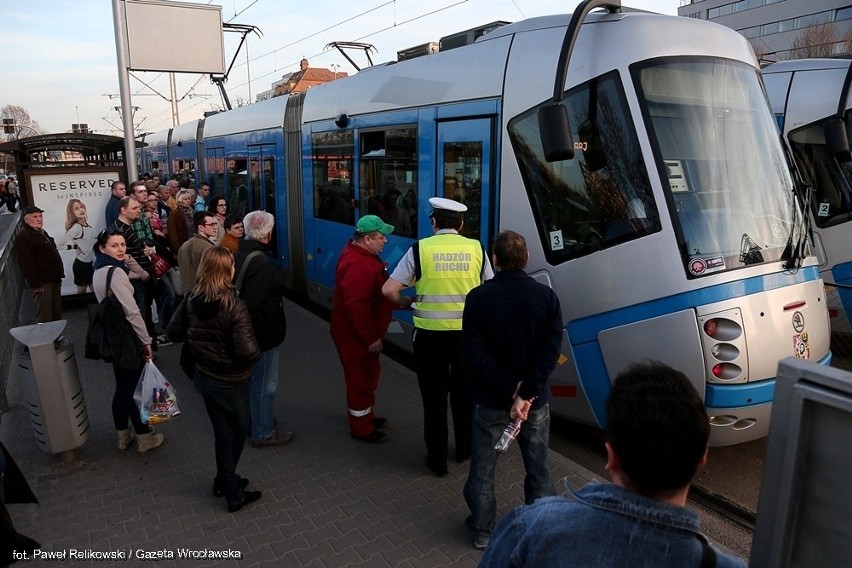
710, 327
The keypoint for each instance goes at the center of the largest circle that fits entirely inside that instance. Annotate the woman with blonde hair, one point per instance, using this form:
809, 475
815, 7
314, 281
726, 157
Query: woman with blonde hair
79, 237
217, 326
180, 228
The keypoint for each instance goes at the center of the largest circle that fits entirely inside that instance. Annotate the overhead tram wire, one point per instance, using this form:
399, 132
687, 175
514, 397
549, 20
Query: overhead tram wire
309, 36
386, 28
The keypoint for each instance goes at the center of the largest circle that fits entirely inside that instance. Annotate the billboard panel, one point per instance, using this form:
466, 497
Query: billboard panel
173, 36
73, 200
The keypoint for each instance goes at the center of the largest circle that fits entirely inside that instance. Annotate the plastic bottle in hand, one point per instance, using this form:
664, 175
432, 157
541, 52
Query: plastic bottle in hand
509, 434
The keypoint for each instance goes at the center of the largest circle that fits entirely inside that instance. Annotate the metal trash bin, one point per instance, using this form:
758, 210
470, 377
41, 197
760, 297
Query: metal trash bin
48, 371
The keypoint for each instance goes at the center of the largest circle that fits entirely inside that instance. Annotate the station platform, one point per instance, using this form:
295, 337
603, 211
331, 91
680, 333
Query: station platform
328, 500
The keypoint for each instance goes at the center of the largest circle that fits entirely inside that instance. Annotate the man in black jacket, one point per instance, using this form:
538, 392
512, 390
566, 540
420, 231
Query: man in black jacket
40, 264
512, 339
262, 289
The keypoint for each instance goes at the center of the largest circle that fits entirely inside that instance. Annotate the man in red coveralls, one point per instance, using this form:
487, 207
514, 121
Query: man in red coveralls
359, 322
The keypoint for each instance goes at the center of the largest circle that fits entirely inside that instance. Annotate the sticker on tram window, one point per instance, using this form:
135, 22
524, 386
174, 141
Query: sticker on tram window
823, 210
700, 266
556, 240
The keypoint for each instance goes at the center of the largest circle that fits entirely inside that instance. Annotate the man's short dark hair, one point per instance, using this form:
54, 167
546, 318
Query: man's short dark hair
657, 425
200, 218
510, 250
232, 220
447, 221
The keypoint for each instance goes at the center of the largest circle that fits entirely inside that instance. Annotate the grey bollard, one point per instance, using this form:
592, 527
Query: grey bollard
51, 383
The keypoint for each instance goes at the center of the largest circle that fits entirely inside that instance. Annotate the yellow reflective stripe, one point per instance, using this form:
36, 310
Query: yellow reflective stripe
359, 413
438, 315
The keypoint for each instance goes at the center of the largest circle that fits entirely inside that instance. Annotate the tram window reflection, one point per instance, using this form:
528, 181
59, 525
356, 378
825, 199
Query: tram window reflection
334, 198
603, 196
831, 180
387, 168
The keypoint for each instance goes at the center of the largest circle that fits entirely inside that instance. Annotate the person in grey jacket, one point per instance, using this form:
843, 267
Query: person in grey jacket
111, 251
218, 328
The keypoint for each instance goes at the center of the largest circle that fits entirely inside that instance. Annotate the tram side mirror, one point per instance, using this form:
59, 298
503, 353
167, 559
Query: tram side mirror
555, 131
836, 140
591, 145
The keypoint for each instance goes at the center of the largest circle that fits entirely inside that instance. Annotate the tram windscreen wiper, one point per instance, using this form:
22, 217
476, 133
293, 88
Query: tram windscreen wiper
749, 251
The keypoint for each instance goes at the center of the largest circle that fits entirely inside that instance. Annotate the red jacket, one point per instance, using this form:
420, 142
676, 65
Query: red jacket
360, 310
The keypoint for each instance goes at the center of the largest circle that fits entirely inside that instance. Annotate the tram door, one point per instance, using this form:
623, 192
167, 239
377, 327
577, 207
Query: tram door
261, 187
464, 173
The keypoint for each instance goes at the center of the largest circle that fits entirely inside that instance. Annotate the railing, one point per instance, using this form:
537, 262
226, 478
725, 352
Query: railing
11, 288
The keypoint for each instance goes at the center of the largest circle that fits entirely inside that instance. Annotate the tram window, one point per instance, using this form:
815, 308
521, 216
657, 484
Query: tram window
388, 177
463, 182
215, 169
238, 202
603, 196
831, 180
331, 161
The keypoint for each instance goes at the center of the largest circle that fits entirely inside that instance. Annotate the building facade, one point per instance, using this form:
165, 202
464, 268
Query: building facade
782, 29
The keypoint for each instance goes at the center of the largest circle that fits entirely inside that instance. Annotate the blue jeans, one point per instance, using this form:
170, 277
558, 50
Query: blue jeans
264, 383
533, 440
227, 406
166, 298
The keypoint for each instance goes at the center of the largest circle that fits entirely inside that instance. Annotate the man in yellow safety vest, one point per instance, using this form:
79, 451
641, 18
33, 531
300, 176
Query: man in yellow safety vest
444, 268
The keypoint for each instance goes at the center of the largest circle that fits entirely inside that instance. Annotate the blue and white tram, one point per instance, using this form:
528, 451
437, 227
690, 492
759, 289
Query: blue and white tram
810, 98
184, 145
243, 156
155, 152
672, 234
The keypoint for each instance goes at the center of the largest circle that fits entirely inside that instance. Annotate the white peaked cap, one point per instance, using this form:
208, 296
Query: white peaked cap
449, 205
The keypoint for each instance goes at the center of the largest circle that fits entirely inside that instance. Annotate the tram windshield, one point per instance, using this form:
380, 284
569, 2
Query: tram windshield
731, 191
831, 179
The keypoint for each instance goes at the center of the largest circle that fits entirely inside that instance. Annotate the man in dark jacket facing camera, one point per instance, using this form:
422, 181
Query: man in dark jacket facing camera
262, 289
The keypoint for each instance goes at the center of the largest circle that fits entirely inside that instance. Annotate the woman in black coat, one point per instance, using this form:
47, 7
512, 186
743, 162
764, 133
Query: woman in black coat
219, 331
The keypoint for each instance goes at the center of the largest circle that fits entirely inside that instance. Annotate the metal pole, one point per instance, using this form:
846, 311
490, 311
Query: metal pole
248, 73
173, 99
118, 20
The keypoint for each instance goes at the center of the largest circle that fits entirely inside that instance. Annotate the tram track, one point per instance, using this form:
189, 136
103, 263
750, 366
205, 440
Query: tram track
728, 509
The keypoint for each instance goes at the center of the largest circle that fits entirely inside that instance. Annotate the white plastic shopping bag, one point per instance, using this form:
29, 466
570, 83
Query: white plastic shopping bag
155, 396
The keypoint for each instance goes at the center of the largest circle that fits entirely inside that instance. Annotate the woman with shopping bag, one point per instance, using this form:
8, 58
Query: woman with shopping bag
112, 277
217, 326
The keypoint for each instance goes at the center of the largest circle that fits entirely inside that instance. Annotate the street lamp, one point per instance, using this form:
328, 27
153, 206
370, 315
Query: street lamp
9, 126
335, 67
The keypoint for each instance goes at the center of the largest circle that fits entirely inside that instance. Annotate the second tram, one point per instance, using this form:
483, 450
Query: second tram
809, 118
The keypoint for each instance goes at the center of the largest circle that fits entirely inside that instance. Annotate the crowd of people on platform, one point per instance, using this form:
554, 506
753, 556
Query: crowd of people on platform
176, 253
484, 342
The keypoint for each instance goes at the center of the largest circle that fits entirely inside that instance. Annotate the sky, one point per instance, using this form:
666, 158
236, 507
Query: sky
59, 56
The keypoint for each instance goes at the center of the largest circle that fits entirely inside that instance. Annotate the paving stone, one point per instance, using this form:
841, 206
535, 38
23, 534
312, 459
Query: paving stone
328, 501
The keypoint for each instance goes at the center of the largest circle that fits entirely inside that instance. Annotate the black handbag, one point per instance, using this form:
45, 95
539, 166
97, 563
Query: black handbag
110, 336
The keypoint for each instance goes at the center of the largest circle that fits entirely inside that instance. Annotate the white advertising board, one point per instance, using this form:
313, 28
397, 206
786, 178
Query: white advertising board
73, 204
174, 36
